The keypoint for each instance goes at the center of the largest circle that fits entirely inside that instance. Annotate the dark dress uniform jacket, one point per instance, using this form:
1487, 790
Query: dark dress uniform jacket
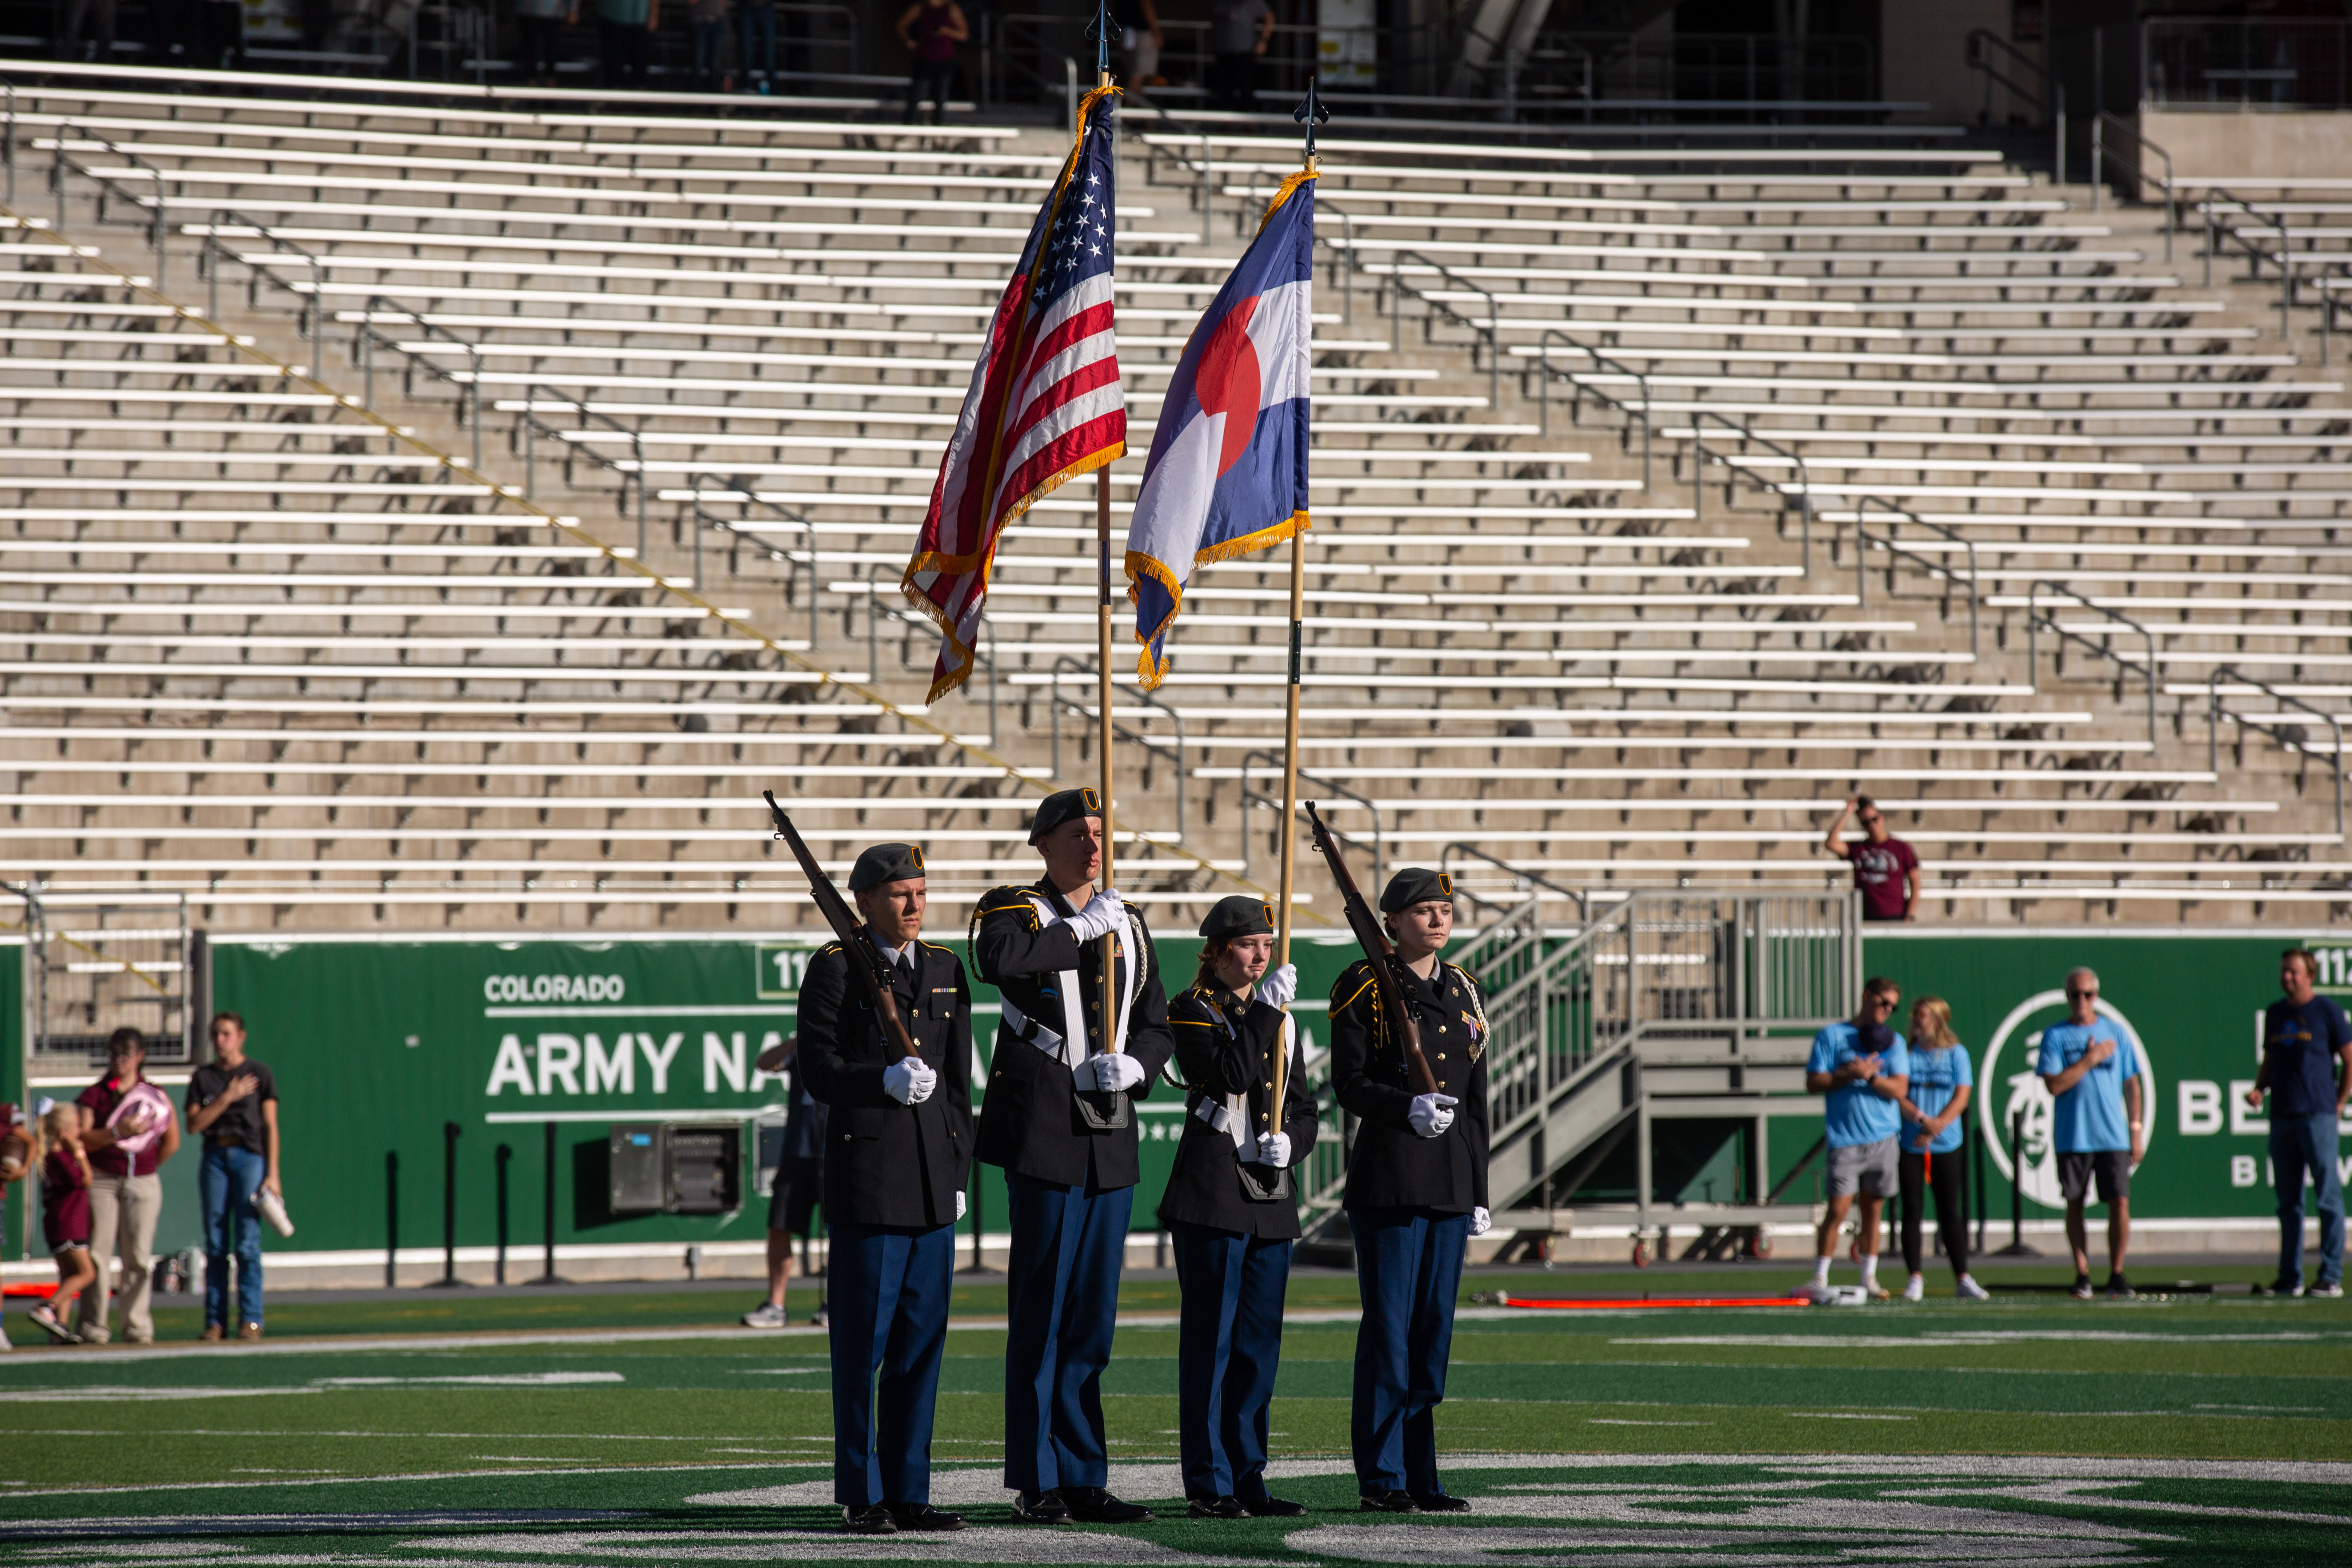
1391, 1166
888, 1164
1205, 1188
1029, 1122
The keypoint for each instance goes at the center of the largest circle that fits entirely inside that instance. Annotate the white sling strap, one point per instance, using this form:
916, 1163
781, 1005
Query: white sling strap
1229, 1113
1070, 1043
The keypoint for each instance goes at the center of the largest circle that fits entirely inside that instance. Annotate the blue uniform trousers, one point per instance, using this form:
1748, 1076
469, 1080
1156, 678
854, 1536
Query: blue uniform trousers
1408, 1271
1228, 1347
1062, 1296
888, 1295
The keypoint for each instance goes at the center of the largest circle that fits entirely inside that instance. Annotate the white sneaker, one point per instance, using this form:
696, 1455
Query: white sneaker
1967, 1290
766, 1315
1915, 1288
4, 1344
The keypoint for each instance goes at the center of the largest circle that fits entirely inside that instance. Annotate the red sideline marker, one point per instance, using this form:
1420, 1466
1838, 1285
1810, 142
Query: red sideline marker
1621, 1304
43, 1291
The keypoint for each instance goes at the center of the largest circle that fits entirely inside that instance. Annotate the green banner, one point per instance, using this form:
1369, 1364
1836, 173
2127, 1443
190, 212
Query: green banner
2193, 1004
378, 1047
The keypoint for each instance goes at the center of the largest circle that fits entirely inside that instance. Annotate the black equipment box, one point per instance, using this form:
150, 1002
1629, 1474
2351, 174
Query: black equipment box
686, 1168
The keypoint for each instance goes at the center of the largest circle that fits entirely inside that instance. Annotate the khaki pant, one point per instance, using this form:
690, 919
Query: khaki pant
123, 1213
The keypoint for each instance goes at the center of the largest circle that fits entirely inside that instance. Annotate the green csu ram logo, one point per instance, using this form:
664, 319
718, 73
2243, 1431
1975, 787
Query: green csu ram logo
2011, 1091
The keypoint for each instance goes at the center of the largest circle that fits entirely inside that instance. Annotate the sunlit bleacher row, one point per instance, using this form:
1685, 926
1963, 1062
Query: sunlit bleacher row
739, 346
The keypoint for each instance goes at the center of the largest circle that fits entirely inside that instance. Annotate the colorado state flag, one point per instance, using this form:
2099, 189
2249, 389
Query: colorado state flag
1228, 468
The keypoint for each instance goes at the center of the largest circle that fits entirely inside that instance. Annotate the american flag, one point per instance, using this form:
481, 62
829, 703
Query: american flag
1045, 404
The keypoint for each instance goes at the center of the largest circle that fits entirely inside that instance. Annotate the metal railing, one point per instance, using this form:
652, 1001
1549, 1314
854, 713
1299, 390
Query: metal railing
2102, 155
1698, 477
1546, 370
2036, 618
2217, 201
1863, 539
1251, 796
1518, 874
1085, 676
2291, 737
1988, 53
2277, 61
1492, 327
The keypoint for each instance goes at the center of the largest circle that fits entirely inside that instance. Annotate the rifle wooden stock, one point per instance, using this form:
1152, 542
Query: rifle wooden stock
1377, 948
855, 951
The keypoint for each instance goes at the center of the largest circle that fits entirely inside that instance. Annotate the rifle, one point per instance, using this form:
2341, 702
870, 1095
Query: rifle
854, 951
1375, 944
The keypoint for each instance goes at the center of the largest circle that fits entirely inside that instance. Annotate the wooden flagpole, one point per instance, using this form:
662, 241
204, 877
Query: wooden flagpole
1102, 636
1309, 112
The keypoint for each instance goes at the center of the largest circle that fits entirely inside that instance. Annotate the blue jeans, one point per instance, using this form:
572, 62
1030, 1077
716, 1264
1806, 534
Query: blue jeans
710, 54
2300, 1144
226, 1180
756, 30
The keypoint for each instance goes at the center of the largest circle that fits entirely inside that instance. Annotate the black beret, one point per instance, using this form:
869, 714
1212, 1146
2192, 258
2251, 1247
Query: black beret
1414, 885
885, 863
1240, 915
1063, 806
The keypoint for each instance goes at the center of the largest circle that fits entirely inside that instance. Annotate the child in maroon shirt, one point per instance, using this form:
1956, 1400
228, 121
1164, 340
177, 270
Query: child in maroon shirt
65, 1217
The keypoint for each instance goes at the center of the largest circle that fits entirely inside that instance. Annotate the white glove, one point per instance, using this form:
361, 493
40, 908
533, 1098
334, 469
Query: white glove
1274, 1150
1111, 1071
960, 1206
908, 1080
1431, 1114
1104, 913
1481, 1222
1280, 986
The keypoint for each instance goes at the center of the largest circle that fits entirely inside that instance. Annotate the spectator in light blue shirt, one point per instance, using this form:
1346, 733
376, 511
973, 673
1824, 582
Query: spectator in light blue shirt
2093, 1071
1862, 1066
1941, 1084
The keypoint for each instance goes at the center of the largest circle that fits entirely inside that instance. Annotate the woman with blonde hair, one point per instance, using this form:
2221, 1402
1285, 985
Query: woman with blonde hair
65, 1215
1940, 1087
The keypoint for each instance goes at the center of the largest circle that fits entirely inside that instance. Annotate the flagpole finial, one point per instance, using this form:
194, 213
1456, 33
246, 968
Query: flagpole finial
1310, 113
1101, 30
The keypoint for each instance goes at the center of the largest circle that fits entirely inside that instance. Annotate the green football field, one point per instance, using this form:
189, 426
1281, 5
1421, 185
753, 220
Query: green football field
638, 1427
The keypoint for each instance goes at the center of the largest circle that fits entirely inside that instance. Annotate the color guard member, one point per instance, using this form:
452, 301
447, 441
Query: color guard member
1230, 1209
897, 1150
1056, 1119
1416, 1189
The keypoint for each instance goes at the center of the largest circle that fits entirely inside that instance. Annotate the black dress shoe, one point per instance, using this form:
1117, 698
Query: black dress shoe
1041, 1507
1096, 1506
1272, 1508
1389, 1503
1214, 1508
1439, 1502
873, 1520
922, 1515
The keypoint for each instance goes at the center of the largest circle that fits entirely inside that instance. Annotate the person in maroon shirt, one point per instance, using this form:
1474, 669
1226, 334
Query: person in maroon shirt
1886, 869
65, 1214
132, 1132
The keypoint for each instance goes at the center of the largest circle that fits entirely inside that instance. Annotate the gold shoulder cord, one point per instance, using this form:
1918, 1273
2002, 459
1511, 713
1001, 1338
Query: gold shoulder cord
1478, 1008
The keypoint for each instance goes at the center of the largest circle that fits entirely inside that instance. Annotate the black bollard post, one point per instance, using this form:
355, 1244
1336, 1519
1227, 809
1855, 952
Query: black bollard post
450, 1137
2017, 1248
547, 1214
391, 1218
505, 1158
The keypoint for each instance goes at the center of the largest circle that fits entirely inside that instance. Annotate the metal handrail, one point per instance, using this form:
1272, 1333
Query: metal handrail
2035, 619
2051, 101
1274, 760
1862, 540
1473, 852
2101, 154
2217, 231
1493, 328
1698, 484
1545, 372
2293, 743
1149, 742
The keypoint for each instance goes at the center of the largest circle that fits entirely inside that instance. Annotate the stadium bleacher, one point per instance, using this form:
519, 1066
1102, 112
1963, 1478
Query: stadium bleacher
378, 684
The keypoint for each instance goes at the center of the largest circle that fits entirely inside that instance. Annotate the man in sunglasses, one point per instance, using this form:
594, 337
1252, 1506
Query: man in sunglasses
1864, 1066
2091, 1069
1886, 869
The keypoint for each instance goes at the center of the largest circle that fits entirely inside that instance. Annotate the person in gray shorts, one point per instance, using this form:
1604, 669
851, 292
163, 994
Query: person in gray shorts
1864, 1066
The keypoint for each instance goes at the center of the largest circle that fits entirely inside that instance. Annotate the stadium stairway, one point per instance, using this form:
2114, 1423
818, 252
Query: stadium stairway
728, 351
